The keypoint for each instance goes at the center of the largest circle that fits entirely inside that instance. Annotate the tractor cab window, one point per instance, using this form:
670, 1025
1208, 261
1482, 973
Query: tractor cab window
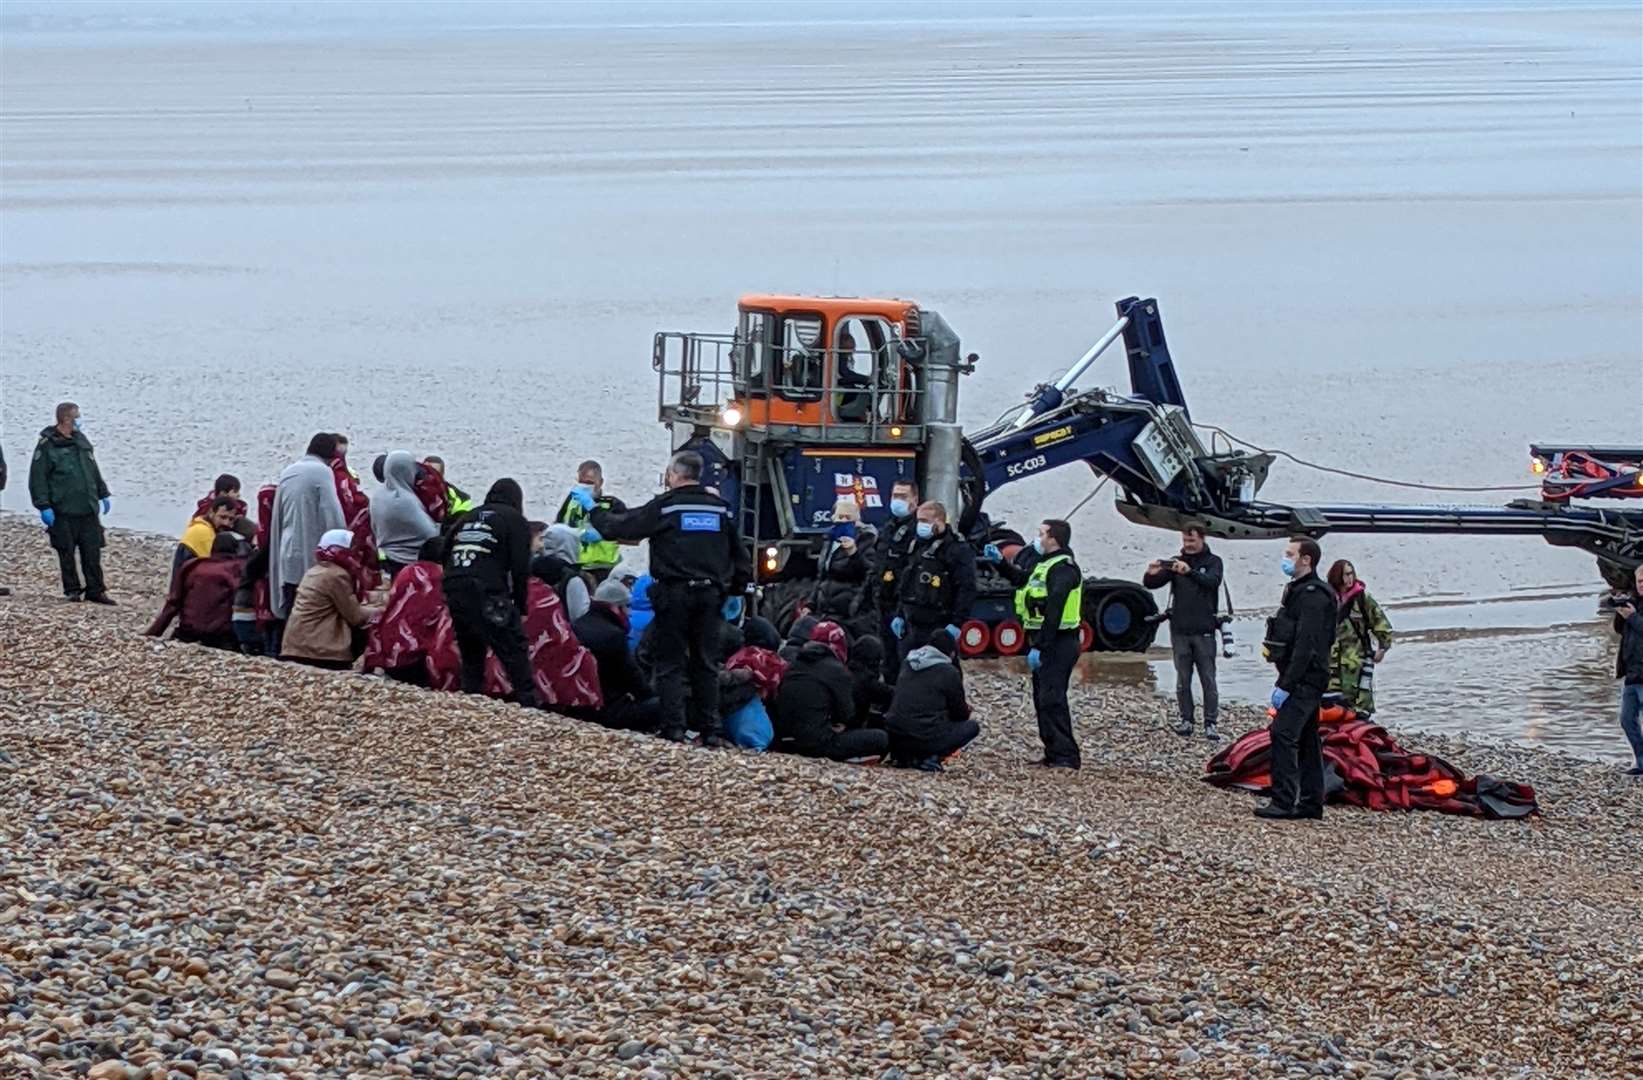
869, 375
801, 367
753, 352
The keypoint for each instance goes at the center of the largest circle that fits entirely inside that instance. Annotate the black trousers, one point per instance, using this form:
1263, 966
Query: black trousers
956, 736
82, 533
892, 648
1055, 717
1297, 754
844, 745
626, 714
686, 636
488, 621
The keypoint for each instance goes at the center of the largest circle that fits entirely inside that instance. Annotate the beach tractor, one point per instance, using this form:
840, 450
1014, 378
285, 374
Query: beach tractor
815, 399
812, 399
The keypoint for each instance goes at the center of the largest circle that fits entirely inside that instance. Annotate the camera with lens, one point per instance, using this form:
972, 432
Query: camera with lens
1619, 600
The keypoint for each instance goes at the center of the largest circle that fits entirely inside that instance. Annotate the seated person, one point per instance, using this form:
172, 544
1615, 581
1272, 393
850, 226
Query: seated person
872, 694
557, 567
399, 642
603, 631
201, 598
197, 540
326, 627
854, 406
816, 703
928, 718
841, 569
226, 486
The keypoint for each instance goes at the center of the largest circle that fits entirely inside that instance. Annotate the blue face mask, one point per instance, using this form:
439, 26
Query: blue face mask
1038, 544
76, 423
842, 529
926, 530
1288, 566
899, 508
584, 488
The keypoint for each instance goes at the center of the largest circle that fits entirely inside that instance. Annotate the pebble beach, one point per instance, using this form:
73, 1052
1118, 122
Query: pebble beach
223, 867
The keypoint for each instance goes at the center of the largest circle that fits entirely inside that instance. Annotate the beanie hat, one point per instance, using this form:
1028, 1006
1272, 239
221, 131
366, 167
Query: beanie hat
612, 592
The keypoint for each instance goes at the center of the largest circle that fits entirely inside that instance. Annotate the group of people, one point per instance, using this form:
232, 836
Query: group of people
481, 599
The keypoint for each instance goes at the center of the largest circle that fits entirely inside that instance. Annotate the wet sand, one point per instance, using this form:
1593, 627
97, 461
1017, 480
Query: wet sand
1400, 242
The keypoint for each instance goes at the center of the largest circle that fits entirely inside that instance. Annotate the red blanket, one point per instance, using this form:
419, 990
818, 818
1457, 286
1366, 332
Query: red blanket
1365, 766
430, 491
203, 507
356, 512
567, 676
411, 622
766, 666
259, 591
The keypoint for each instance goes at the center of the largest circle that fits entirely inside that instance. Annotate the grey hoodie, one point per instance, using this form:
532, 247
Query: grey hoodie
565, 543
306, 507
397, 516
927, 656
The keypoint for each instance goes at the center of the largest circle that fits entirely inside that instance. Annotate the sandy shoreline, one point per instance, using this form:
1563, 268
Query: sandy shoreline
224, 866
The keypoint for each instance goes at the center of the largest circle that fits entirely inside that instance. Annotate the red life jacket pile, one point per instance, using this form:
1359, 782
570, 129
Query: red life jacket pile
1365, 766
415, 629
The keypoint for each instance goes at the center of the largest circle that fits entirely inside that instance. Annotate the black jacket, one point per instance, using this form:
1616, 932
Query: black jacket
1305, 628
1628, 662
602, 633
692, 533
815, 694
491, 545
1193, 597
1061, 580
929, 696
889, 555
839, 579
938, 582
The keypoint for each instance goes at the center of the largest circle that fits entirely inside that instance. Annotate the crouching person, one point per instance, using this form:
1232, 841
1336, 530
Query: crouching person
928, 718
603, 631
400, 642
816, 704
326, 628
201, 598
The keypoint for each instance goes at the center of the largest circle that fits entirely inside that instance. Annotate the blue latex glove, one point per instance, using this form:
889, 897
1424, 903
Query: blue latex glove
898, 625
581, 498
47, 516
732, 609
952, 631
590, 535
1033, 660
108, 504
992, 554
1279, 697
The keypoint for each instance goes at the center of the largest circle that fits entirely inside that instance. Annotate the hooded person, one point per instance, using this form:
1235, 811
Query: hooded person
797, 635
398, 519
928, 718
305, 507
758, 656
327, 623
356, 512
557, 566
487, 570
640, 612
399, 643
815, 705
866, 666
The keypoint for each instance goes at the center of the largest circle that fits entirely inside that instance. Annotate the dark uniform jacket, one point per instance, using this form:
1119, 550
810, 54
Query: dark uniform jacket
64, 477
889, 555
938, 583
1193, 596
692, 533
839, 579
491, 546
1305, 629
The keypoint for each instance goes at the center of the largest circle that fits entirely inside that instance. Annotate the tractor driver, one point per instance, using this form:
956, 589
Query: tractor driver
851, 407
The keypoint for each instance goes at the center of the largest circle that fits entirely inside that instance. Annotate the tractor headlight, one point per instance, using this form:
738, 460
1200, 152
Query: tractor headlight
731, 416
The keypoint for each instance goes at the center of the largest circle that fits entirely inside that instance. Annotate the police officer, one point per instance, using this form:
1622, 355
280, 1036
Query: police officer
890, 550
487, 565
1297, 643
696, 557
938, 582
1049, 602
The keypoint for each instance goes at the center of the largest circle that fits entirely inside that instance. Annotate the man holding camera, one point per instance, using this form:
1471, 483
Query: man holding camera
1194, 579
1628, 667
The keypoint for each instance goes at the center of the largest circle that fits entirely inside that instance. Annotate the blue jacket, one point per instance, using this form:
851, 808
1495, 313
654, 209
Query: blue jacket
640, 613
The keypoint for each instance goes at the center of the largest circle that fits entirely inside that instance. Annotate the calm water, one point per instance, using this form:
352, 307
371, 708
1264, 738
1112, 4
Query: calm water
1402, 242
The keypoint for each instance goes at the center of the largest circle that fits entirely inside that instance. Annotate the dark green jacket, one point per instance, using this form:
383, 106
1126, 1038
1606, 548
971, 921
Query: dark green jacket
64, 476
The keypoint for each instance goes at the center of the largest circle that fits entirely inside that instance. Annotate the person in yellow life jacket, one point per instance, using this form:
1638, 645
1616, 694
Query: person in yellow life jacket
456, 500
598, 556
1049, 602
197, 540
